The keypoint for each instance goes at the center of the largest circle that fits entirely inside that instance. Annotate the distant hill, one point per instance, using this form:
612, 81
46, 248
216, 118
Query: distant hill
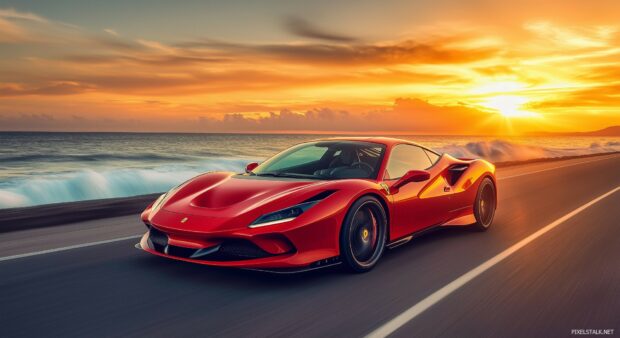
609, 131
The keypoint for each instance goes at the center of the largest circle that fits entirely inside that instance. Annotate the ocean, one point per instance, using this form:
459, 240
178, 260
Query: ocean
41, 168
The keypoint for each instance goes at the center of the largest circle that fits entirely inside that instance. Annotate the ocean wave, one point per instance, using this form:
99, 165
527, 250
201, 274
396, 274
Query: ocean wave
504, 151
93, 157
94, 184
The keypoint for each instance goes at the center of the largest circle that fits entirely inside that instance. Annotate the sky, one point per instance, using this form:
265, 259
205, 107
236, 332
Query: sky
408, 67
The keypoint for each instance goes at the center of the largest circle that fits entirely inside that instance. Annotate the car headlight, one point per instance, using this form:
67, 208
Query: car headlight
159, 201
283, 215
162, 199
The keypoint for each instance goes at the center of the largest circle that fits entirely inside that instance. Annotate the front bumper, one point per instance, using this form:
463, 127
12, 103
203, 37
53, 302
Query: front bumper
292, 249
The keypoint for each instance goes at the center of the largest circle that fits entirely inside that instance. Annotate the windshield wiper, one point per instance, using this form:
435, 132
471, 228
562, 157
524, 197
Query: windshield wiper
290, 175
268, 174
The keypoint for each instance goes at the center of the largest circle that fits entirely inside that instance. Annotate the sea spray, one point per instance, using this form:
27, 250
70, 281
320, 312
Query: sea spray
139, 173
91, 184
504, 151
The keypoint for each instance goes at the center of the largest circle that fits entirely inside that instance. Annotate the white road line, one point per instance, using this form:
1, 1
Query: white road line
552, 168
77, 246
414, 311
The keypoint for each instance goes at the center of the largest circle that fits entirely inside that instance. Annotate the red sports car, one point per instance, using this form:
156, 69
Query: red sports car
326, 202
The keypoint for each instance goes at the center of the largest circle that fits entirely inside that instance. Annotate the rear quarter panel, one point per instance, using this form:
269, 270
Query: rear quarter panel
465, 188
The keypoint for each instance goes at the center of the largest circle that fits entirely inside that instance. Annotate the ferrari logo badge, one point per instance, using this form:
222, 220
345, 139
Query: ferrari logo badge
184, 220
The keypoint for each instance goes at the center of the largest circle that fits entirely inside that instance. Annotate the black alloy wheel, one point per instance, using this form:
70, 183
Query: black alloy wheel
363, 234
485, 204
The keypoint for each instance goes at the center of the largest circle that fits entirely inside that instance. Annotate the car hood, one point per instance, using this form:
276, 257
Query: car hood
217, 195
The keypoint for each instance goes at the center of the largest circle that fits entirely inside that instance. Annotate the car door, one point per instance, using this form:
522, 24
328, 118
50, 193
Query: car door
416, 205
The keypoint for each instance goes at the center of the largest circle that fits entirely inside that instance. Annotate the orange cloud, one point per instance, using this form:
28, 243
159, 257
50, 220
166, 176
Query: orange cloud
60, 76
405, 116
60, 88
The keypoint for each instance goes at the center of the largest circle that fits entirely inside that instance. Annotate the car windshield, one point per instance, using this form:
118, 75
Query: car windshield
325, 160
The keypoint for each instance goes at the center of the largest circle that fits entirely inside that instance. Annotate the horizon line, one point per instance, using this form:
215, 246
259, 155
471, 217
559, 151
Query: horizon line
318, 132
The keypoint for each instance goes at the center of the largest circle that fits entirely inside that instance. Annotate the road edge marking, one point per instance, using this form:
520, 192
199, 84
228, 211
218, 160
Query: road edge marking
65, 248
411, 313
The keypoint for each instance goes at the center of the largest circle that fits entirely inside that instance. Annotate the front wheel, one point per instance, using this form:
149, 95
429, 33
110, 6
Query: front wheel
485, 205
363, 235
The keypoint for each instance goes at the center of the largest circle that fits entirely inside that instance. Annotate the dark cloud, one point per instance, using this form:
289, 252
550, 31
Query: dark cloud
343, 55
154, 60
304, 29
407, 52
407, 115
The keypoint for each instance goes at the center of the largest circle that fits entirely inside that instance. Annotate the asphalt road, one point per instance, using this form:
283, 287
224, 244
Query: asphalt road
567, 278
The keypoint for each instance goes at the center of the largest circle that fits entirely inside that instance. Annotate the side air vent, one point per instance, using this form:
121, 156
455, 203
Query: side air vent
455, 172
319, 196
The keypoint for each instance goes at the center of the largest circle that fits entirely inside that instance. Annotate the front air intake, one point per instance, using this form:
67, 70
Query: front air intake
158, 240
228, 250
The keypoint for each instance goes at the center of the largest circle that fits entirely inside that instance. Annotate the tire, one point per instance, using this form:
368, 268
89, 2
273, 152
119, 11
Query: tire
485, 205
363, 235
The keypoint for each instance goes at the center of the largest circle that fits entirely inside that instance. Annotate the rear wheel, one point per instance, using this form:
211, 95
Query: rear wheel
363, 234
485, 205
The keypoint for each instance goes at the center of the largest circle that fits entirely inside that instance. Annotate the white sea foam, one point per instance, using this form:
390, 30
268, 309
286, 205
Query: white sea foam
96, 184
93, 184
504, 151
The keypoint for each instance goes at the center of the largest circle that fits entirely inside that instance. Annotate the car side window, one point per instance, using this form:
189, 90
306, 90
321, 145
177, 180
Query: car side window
431, 156
405, 157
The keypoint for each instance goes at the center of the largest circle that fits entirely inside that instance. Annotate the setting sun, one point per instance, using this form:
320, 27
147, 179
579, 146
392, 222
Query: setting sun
509, 106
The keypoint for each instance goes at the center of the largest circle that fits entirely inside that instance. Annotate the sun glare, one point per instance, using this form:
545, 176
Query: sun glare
509, 106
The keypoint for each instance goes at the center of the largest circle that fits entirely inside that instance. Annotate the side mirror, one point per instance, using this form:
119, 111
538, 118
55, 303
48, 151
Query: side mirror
250, 167
412, 176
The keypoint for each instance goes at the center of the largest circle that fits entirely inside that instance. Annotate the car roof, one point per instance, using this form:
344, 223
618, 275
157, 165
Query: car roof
388, 141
